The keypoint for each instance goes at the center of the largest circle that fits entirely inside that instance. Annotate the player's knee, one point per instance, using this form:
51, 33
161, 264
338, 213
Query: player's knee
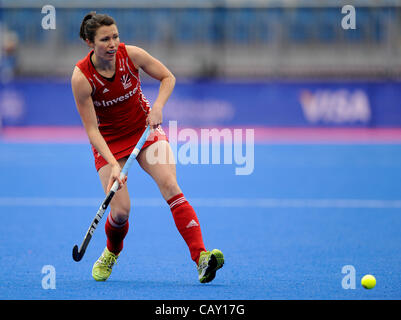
169, 187
120, 212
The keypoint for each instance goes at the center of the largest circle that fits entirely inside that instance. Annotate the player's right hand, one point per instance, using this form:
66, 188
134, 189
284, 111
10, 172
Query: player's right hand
115, 175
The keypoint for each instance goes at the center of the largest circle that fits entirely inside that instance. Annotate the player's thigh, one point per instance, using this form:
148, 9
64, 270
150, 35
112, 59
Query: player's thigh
121, 200
158, 161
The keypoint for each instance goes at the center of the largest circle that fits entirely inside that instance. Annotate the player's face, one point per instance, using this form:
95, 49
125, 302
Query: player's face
106, 42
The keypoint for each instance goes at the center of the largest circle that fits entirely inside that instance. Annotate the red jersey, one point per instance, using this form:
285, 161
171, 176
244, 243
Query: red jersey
120, 106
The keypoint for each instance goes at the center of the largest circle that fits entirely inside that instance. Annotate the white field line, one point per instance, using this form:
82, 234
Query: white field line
206, 202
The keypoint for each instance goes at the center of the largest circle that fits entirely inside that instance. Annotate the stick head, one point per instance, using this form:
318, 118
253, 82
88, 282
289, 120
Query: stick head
76, 255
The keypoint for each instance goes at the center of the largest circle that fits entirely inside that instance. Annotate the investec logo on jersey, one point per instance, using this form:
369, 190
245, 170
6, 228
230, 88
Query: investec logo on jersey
335, 106
109, 103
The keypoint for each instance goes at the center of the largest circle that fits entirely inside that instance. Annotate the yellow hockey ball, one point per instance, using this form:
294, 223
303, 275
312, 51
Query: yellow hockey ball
368, 281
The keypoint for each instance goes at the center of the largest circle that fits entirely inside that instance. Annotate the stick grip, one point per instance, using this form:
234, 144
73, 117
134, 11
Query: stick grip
133, 156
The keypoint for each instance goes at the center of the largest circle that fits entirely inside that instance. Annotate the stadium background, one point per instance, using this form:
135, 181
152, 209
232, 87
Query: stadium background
325, 106
289, 62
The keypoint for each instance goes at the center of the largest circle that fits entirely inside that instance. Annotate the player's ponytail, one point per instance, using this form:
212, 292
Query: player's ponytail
91, 22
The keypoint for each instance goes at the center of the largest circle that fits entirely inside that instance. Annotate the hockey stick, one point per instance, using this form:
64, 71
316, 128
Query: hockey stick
78, 254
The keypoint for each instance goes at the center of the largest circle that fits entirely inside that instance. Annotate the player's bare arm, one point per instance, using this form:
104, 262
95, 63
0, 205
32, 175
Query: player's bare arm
157, 70
82, 95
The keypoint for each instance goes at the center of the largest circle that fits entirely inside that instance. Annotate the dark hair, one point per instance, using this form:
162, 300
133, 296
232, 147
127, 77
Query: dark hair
92, 22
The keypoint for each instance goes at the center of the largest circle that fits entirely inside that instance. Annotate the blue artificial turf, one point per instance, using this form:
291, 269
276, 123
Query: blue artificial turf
275, 250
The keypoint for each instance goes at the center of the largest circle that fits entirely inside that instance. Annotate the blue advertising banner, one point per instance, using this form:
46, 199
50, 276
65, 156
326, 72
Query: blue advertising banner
34, 102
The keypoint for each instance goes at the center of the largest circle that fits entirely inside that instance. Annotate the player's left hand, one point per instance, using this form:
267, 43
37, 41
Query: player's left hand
155, 117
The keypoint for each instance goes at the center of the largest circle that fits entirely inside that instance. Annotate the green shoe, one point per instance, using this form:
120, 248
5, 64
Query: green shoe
209, 263
101, 270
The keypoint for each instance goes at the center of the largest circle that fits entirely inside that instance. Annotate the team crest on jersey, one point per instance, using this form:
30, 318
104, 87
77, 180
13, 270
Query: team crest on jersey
126, 81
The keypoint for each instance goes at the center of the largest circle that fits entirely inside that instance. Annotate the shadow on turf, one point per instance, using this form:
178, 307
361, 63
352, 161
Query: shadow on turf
158, 284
